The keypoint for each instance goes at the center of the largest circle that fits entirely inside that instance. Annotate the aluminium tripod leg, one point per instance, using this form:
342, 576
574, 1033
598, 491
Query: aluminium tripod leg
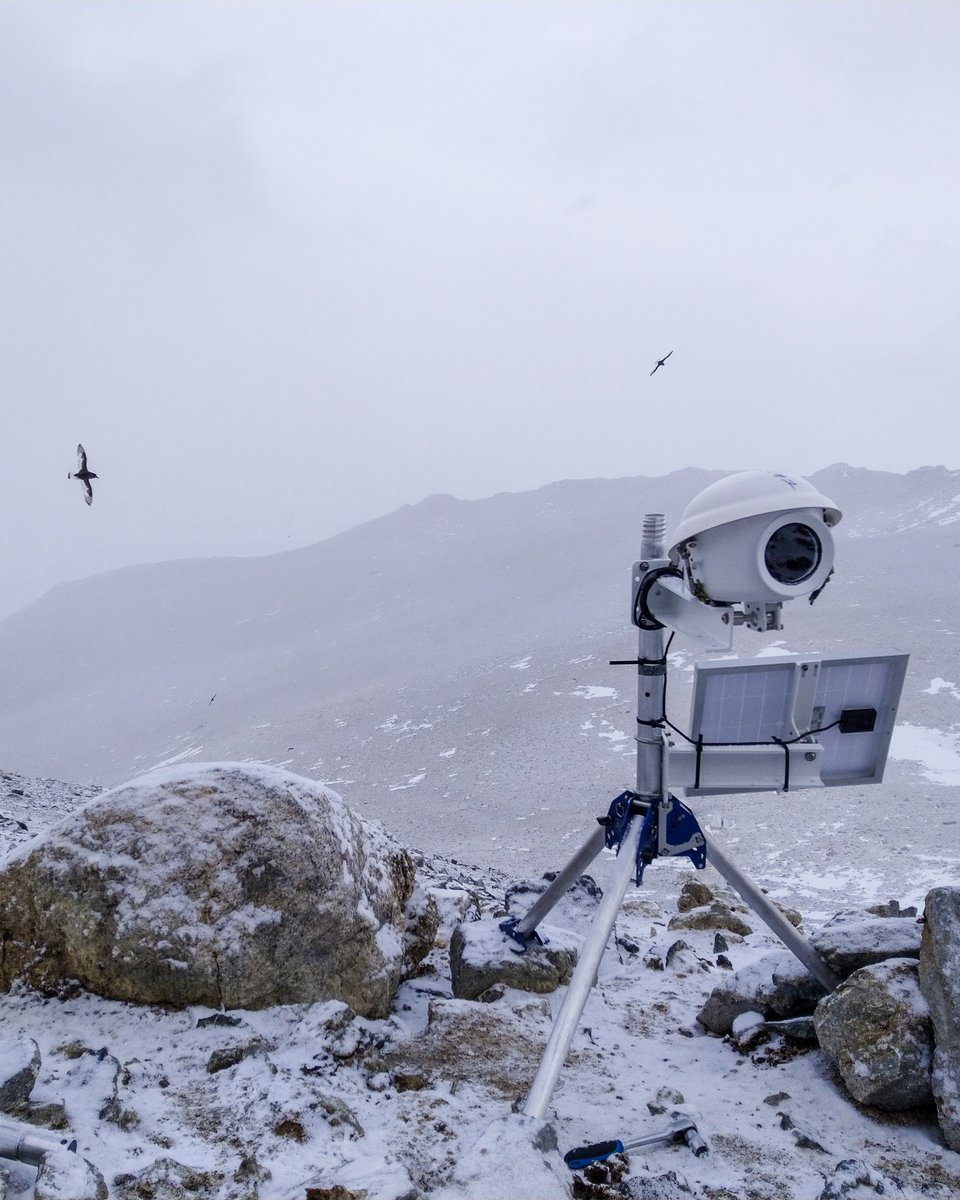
768, 912
570, 873
578, 990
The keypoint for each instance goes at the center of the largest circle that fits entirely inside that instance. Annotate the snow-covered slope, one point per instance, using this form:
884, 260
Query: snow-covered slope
446, 667
268, 1103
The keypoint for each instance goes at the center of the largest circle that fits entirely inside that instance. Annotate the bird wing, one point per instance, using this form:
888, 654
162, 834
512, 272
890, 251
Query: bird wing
666, 356
81, 459
654, 371
87, 491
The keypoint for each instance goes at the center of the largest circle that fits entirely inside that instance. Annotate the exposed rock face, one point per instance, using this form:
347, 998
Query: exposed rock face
876, 1027
940, 982
19, 1067
225, 885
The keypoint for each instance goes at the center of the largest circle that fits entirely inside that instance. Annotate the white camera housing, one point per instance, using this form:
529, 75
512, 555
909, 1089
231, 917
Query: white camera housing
755, 538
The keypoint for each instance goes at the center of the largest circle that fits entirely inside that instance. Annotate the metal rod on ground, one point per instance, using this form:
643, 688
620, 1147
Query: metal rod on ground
569, 875
582, 981
768, 912
23, 1143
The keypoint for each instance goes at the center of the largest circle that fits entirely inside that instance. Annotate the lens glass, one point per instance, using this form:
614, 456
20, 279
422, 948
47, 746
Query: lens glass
793, 553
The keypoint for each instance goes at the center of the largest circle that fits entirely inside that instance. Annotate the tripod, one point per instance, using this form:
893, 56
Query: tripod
641, 825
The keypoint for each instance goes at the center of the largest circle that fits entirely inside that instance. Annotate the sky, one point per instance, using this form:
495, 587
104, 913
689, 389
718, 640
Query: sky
284, 267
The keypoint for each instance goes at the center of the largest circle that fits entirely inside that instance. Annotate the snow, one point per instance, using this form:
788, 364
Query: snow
936, 750
311, 1072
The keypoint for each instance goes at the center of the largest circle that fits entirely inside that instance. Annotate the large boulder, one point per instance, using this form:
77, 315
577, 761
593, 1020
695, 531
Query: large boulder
876, 1028
228, 885
940, 981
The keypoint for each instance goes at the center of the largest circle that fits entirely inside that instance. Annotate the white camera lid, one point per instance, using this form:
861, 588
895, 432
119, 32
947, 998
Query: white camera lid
748, 494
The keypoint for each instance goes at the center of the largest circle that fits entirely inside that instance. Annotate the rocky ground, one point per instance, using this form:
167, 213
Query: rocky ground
315, 1102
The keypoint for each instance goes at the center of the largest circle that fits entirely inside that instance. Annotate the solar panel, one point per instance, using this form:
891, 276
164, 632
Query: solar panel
791, 720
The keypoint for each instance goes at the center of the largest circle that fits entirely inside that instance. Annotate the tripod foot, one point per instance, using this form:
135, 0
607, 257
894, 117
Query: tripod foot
523, 940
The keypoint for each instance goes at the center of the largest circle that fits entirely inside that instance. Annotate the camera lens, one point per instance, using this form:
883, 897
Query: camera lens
793, 553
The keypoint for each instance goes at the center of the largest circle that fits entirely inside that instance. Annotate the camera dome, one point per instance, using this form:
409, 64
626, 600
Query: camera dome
748, 494
756, 538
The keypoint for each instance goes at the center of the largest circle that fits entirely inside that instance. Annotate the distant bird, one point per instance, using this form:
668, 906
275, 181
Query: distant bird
83, 474
660, 362
211, 700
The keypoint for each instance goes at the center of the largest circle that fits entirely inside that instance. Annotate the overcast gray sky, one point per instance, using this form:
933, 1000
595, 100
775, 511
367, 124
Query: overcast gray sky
283, 267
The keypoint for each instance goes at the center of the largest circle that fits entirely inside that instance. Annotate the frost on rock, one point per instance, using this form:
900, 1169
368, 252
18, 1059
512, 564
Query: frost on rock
66, 1176
481, 954
19, 1067
776, 986
940, 981
227, 885
876, 1028
847, 947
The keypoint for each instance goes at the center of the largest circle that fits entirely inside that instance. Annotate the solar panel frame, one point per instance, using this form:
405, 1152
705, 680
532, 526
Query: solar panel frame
755, 701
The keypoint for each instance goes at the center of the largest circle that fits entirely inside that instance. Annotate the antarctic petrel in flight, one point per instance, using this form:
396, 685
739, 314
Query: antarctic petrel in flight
660, 362
83, 474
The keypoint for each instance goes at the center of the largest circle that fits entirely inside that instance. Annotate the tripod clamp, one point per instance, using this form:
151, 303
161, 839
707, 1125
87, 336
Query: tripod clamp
669, 829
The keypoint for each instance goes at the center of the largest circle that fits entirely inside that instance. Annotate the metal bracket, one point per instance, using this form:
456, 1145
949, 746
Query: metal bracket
523, 940
669, 829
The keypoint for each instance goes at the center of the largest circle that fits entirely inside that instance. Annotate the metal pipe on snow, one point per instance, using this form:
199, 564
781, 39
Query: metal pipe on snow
23, 1143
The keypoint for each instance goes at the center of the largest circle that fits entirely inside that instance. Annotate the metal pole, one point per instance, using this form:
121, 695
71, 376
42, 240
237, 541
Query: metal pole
768, 912
570, 873
651, 681
650, 692
23, 1143
582, 981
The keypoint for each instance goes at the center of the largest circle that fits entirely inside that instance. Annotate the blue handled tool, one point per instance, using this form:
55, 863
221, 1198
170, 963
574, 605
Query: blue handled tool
682, 1129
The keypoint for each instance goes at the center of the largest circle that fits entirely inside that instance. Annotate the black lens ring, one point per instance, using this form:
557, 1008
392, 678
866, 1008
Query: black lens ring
793, 553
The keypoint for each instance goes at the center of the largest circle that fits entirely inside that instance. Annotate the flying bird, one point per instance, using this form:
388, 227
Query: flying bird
83, 474
660, 362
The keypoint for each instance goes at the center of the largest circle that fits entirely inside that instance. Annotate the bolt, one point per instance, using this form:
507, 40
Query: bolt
811, 756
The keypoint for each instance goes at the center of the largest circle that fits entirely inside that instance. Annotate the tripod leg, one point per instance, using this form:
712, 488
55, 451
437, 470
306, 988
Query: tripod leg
578, 990
768, 912
570, 873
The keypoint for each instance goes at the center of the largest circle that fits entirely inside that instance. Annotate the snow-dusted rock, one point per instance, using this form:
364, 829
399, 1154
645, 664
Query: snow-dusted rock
715, 915
19, 1067
168, 1179
940, 981
876, 1028
852, 1179
224, 884
481, 954
776, 985
63, 1175
847, 947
